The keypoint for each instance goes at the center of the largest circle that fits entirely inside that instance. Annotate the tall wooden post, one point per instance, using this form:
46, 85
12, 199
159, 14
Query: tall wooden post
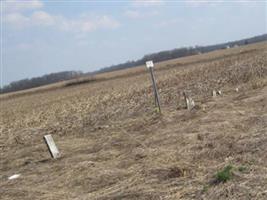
150, 66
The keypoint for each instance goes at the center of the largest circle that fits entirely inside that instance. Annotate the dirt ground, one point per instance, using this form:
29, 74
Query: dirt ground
115, 145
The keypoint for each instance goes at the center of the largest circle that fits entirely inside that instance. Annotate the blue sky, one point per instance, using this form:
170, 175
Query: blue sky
40, 37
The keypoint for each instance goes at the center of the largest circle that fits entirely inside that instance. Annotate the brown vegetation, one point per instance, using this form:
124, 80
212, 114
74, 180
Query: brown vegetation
115, 146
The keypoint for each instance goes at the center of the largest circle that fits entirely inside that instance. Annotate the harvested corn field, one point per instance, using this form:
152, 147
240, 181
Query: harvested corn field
115, 145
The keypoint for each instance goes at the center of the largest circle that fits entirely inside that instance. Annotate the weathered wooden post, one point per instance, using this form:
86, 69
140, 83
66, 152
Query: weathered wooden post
150, 66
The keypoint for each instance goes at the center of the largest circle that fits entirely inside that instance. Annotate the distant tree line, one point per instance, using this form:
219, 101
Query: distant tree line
181, 52
156, 57
39, 81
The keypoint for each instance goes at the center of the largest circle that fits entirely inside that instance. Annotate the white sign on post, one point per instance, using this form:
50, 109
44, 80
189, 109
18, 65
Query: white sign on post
52, 146
149, 64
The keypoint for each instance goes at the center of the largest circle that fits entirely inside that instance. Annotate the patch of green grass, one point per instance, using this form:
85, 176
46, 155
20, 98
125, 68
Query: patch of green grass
242, 168
224, 175
157, 110
205, 188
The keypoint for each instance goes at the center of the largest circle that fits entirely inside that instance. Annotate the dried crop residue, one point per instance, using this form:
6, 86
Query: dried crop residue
115, 145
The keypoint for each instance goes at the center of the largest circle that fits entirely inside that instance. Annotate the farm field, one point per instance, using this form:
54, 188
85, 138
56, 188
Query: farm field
115, 145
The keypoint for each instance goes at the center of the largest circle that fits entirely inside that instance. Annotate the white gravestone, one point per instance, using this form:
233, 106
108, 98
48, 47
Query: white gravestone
14, 176
190, 104
214, 93
52, 146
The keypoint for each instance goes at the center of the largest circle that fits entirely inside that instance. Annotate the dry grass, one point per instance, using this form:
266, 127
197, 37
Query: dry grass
115, 146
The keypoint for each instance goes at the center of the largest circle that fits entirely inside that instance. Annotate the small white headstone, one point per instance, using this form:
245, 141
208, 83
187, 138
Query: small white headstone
190, 103
149, 64
219, 92
237, 89
52, 146
14, 176
214, 93
187, 103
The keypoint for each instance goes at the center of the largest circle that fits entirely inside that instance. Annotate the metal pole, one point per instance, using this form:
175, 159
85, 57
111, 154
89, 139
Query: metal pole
155, 88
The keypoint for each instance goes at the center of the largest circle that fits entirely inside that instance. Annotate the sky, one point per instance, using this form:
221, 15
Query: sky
45, 36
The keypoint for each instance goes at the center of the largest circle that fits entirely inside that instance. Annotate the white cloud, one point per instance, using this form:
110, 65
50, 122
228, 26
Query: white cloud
135, 14
170, 23
195, 23
21, 5
146, 3
87, 24
24, 46
250, 3
106, 22
15, 17
16, 20
43, 18
198, 3
81, 24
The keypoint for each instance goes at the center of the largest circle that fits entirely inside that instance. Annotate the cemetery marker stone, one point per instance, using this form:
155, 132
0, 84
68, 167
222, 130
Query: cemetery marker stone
190, 104
214, 93
51, 146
